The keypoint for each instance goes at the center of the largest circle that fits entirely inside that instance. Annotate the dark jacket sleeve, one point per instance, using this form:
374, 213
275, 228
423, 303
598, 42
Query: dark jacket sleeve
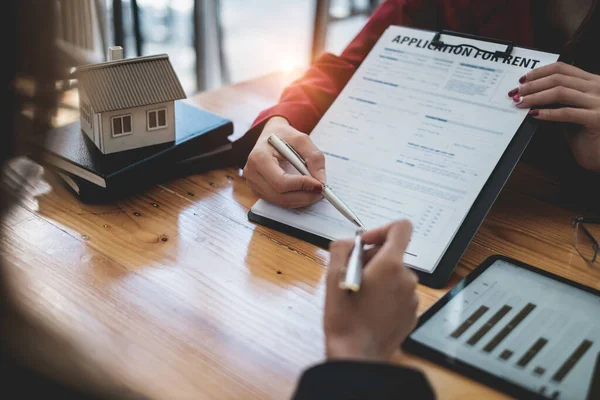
359, 380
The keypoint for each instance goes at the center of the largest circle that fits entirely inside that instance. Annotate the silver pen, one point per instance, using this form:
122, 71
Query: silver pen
298, 162
351, 277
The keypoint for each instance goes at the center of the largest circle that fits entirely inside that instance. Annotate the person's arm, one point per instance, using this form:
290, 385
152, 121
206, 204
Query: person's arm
301, 106
364, 330
306, 100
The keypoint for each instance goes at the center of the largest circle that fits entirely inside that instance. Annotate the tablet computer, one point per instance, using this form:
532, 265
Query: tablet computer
517, 328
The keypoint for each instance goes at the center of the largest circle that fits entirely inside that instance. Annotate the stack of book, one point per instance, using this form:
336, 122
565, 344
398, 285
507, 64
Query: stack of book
201, 143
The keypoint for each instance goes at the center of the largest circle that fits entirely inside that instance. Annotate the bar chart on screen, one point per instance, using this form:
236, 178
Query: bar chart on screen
523, 327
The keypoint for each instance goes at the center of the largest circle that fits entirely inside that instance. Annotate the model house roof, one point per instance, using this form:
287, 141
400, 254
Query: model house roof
129, 83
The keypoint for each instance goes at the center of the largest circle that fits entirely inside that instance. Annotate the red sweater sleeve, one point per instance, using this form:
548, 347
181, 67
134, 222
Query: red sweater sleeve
305, 101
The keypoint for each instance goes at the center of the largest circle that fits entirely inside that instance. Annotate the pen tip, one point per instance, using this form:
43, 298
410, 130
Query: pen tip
360, 225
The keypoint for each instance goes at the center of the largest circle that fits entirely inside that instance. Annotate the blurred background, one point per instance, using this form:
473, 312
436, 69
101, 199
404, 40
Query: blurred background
212, 42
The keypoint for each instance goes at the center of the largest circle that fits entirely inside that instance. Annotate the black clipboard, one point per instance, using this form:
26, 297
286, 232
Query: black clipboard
594, 390
481, 206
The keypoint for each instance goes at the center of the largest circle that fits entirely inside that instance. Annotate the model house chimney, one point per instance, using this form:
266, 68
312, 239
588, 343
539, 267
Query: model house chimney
115, 53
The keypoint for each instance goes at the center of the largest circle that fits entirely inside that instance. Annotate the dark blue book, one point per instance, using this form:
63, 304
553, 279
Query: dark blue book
70, 151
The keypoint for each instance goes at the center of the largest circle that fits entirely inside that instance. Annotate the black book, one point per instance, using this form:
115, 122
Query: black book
88, 192
70, 151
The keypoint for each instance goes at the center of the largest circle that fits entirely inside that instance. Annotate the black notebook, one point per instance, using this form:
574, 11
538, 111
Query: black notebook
198, 132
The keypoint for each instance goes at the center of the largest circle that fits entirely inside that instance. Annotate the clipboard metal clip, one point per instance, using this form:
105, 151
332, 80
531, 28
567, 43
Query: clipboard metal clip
437, 42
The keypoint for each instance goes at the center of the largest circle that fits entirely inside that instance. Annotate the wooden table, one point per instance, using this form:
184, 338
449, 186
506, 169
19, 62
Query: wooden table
184, 298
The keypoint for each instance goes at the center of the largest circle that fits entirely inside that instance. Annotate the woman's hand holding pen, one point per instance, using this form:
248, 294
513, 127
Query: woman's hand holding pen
274, 179
372, 323
578, 94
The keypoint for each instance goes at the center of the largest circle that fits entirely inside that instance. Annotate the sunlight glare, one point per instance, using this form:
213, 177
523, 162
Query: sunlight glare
287, 65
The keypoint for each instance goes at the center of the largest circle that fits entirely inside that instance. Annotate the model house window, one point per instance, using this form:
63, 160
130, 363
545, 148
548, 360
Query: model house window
121, 125
157, 119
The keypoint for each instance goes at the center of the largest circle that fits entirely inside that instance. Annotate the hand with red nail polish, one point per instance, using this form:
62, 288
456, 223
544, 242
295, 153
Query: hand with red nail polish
272, 178
577, 95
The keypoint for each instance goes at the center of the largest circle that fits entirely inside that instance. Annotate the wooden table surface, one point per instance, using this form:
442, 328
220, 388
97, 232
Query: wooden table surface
184, 298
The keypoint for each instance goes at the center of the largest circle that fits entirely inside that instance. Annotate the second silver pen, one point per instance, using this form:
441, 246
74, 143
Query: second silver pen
298, 162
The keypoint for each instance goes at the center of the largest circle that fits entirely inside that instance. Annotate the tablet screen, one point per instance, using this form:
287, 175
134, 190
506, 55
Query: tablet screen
523, 327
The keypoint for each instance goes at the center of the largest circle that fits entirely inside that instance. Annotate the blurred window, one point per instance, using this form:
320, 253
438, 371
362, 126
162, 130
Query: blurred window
258, 36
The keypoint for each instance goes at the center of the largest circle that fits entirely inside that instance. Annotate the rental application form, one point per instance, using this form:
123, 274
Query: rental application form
414, 135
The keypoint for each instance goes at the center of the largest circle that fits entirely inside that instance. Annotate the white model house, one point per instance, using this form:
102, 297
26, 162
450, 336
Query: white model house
128, 103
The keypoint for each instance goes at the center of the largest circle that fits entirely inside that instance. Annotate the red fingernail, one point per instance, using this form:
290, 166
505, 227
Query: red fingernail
513, 92
517, 99
318, 189
523, 79
534, 113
